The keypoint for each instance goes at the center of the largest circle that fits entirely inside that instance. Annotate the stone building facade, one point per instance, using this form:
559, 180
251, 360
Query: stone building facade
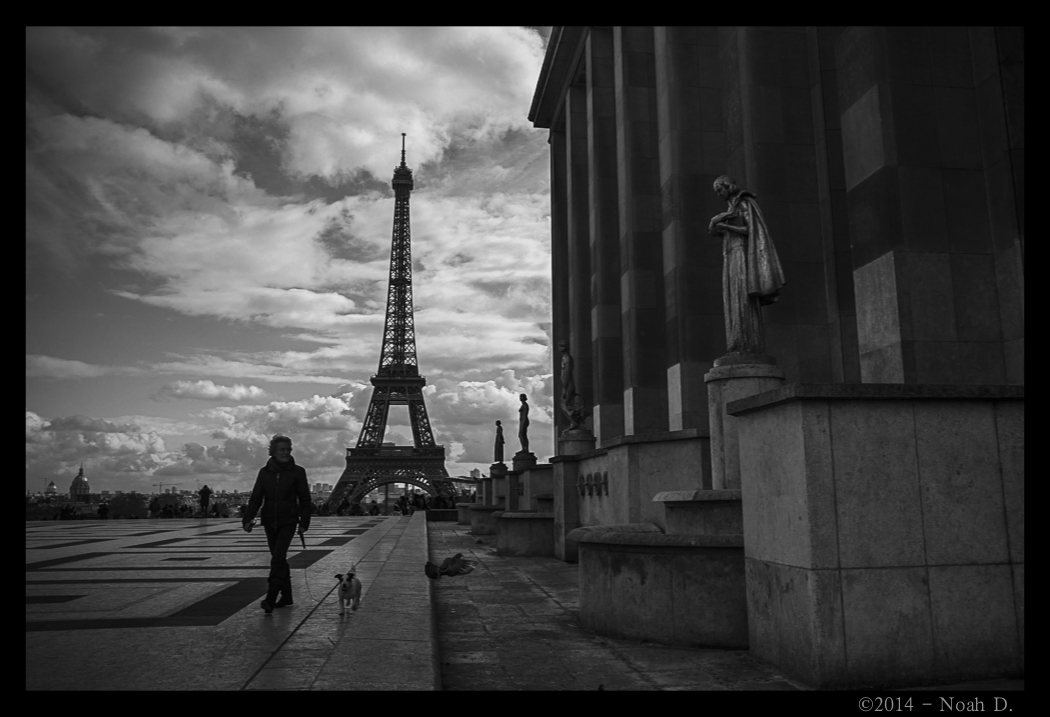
887, 478
889, 164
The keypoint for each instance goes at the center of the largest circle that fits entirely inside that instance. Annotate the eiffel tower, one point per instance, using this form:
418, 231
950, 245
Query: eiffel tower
397, 383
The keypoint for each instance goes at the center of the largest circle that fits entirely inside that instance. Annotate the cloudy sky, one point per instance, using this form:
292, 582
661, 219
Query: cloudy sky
208, 225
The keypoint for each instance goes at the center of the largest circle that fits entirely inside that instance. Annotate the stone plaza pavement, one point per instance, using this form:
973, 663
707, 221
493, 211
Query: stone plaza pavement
511, 625
174, 605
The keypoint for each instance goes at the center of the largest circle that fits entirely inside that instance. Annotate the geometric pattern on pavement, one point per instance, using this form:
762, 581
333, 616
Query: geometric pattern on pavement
158, 573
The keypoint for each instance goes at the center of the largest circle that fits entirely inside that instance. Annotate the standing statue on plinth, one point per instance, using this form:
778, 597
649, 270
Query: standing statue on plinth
751, 274
523, 423
498, 457
572, 404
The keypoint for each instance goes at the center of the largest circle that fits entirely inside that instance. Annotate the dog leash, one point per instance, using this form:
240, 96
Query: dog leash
306, 571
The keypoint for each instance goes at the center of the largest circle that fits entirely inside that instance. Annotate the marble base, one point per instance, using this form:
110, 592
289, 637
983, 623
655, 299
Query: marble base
523, 460
571, 443
732, 378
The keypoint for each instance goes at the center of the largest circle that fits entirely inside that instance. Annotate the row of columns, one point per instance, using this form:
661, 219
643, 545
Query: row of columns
887, 161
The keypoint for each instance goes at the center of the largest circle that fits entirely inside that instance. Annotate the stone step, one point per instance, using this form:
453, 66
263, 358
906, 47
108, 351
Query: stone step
702, 512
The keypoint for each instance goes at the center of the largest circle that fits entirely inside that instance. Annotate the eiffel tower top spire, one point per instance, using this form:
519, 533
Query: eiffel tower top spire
402, 175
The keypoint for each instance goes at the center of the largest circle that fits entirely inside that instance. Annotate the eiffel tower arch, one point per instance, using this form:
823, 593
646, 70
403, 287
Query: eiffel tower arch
372, 463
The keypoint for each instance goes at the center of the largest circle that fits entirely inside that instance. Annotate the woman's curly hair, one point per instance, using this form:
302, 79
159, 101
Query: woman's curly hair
279, 439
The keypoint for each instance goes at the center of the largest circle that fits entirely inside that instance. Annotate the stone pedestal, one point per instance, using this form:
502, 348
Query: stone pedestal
732, 378
536, 482
512, 482
525, 534
482, 520
523, 460
464, 513
566, 507
487, 495
571, 443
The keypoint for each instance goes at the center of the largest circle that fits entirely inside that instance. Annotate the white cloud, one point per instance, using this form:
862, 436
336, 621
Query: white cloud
337, 88
208, 391
57, 447
51, 367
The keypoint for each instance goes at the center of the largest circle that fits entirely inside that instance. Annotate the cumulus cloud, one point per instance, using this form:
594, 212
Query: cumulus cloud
57, 447
208, 391
442, 84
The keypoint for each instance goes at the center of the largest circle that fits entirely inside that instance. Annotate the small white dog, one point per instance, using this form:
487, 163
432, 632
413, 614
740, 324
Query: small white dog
349, 590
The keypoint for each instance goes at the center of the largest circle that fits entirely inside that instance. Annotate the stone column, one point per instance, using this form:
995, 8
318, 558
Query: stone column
606, 337
771, 149
692, 156
559, 258
578, 198
641, 261
924, 269
731, 378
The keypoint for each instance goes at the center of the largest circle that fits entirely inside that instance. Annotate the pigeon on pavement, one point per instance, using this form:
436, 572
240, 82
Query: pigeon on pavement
450, 567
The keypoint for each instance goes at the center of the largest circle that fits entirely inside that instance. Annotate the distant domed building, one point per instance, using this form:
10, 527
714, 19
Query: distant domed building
51, 489
80, 489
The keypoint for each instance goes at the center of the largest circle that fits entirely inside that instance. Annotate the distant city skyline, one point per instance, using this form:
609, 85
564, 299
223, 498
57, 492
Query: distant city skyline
208, 224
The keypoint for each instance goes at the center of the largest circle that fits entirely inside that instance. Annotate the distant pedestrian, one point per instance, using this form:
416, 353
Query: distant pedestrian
374, 508
283, 493
343, 507
205, 495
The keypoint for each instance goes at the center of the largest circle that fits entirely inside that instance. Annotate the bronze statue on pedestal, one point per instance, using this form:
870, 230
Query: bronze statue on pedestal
751, 275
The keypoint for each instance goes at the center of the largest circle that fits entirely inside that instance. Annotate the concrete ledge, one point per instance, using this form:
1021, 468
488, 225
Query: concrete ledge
655, 437
855, 391
660, 540
449, 514
689, 496
525, 533
674, 589
587, 530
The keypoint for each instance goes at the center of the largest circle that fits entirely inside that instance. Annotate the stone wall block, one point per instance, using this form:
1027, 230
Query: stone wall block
973, 610
888, 629
923, 213
876, 485
962, 495
1009, 426
776, 517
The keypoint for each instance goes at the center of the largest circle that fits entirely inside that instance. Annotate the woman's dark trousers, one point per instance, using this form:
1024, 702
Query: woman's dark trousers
279, 539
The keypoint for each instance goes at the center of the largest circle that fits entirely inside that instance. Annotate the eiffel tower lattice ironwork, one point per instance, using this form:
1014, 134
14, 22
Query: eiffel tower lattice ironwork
397, 383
